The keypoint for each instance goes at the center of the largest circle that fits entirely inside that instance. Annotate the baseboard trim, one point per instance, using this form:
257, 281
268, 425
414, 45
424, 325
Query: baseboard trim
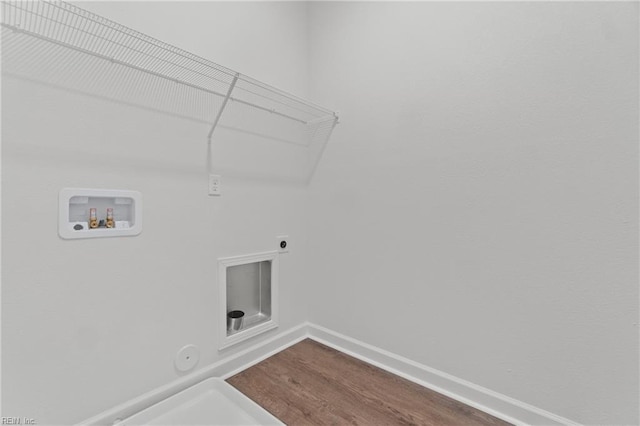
494, 403
260, 352
223, 369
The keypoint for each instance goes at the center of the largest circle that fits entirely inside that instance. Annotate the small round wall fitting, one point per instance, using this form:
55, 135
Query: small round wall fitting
283, 244
187, 357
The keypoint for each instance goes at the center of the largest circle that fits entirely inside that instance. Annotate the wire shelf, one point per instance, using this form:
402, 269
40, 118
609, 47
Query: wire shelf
66, 46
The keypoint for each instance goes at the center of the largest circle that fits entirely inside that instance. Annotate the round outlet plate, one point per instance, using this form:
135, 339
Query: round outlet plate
187, 358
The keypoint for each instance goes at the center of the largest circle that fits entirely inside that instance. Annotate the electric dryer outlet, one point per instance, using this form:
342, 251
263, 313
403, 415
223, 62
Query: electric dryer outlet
283, 244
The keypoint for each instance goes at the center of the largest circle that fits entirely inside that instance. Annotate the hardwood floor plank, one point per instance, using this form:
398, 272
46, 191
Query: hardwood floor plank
312, 384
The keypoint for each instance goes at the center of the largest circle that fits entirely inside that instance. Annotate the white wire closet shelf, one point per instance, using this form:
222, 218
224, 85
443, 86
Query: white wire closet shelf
69, 47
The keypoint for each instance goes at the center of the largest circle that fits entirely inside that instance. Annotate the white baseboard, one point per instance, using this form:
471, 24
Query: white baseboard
223, 369
496, 404
255, 354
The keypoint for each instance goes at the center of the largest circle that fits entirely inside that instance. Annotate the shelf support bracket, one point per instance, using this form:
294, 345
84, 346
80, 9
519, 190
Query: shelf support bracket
217, 119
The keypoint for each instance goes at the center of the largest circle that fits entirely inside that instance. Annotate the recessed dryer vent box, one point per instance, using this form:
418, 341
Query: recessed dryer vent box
77, 204
249, 286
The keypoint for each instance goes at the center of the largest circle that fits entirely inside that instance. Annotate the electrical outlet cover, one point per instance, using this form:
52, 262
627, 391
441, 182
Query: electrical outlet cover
215, 185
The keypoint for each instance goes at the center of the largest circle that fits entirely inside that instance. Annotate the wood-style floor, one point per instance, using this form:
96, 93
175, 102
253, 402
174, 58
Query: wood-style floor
312, 384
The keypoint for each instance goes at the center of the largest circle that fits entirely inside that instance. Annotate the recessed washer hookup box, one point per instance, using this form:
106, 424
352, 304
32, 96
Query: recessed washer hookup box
95, 213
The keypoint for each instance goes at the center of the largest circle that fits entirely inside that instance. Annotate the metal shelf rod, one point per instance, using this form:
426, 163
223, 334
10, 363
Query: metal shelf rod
110, 59
155, 74
224, 103
58, 43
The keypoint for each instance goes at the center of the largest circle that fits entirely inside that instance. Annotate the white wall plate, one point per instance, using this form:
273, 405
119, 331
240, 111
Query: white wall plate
187, 357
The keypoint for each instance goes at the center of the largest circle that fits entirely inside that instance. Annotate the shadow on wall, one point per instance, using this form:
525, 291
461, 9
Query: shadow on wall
260, 131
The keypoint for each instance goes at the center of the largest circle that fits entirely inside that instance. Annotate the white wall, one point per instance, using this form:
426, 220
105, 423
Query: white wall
476, 210
88, 324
